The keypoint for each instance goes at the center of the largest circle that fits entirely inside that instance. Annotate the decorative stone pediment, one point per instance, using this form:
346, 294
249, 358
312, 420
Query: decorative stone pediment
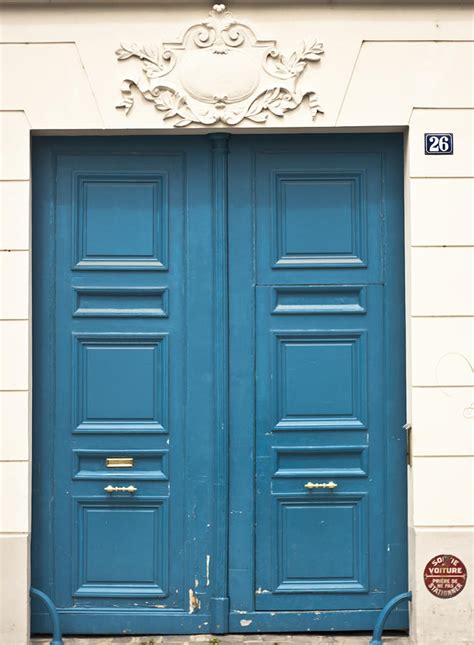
219, 72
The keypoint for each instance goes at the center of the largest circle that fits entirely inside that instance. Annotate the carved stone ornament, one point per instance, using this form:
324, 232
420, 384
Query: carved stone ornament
220, 72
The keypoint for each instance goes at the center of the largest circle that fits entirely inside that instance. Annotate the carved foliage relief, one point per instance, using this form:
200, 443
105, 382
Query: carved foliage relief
220, 72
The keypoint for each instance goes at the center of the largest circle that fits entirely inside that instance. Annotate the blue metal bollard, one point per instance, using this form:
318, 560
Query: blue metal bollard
53, 612
384, 614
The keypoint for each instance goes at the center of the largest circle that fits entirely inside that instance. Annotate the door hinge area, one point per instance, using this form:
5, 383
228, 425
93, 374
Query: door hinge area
408, 429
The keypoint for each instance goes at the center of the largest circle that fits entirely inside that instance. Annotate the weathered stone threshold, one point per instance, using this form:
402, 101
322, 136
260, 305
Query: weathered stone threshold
230, 639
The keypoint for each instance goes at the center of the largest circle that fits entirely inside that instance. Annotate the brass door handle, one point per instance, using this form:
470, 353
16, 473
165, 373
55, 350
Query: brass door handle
311, 485
120, 489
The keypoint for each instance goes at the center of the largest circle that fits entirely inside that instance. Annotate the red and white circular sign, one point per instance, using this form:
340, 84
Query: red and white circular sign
445, 576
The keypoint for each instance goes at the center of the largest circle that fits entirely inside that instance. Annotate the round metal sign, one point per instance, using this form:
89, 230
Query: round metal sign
445, 576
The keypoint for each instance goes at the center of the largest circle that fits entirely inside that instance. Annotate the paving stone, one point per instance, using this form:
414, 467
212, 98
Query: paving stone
230, 638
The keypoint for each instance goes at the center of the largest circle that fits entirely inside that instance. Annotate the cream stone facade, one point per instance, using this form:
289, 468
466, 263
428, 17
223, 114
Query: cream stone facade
386, 67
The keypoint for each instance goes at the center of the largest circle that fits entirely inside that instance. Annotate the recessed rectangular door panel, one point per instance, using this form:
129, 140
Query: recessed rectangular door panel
122, 549
317, 215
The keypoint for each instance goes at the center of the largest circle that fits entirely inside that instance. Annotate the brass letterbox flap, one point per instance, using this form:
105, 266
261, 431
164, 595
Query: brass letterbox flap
119, 462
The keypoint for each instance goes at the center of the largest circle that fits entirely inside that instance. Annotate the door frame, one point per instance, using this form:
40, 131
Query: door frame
224, 466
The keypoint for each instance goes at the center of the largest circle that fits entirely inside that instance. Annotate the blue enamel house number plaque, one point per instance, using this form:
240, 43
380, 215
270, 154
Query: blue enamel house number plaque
439, 143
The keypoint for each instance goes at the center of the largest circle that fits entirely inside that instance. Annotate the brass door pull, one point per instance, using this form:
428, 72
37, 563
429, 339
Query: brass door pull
120, 489
311, 485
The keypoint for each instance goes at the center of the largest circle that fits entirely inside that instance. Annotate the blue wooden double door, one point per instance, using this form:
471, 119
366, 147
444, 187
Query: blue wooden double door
218, 392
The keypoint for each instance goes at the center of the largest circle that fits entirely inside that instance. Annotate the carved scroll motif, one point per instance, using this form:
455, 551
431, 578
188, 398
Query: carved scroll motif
220, 72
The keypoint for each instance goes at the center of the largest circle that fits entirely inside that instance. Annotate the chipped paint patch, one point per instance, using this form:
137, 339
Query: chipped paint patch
260, 590
208, 568
245, 623
196, 583
194, 602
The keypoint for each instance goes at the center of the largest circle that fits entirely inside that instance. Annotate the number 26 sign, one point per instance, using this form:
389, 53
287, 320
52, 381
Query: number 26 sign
438, 143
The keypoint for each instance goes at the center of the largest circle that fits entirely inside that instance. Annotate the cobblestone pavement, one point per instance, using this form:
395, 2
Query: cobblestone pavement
231, 639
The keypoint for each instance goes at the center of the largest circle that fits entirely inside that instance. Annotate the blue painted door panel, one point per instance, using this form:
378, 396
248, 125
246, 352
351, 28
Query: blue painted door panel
318, 215
316, 253
129, 363
119, 228
314, 375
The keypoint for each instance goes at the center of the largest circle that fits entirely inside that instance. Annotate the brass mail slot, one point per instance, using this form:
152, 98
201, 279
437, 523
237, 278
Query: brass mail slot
119, 462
